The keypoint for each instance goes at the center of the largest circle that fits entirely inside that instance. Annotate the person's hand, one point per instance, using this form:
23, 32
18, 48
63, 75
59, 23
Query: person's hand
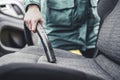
33, 17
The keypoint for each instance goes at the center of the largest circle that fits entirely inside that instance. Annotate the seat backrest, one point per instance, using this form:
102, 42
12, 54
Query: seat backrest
109, 36
105, 7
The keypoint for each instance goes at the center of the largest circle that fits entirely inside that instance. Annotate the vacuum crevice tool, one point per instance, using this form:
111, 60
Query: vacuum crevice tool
46, 44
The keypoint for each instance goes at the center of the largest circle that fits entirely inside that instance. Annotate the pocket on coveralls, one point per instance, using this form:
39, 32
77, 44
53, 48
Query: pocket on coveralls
59, 11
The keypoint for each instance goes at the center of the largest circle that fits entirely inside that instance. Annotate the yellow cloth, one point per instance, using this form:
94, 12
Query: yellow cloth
78, 52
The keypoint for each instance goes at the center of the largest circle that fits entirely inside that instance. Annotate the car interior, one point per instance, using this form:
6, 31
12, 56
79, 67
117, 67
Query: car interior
47, 63
11, 27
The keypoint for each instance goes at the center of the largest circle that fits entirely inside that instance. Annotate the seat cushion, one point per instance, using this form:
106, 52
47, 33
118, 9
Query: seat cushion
84, 65
65, 60
32, 55
109, 67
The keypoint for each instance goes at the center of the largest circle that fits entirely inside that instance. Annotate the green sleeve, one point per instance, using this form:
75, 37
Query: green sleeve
93, 24
28, 2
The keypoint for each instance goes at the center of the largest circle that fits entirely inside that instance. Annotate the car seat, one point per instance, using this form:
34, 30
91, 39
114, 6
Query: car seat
105, 7
31, 63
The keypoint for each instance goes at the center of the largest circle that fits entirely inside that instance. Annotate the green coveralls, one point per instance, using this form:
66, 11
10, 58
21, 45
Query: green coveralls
70, 24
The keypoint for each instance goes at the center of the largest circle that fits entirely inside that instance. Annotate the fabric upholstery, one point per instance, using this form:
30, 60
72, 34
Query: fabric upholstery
27, 71
66, 60
88, 67
109, 66
109, 37
32, 55
31, 64
105, 7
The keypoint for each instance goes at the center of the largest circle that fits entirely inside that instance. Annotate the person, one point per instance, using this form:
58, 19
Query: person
70, 24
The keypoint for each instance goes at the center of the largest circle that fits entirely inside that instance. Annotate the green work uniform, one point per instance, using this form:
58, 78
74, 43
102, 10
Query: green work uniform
70, 24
